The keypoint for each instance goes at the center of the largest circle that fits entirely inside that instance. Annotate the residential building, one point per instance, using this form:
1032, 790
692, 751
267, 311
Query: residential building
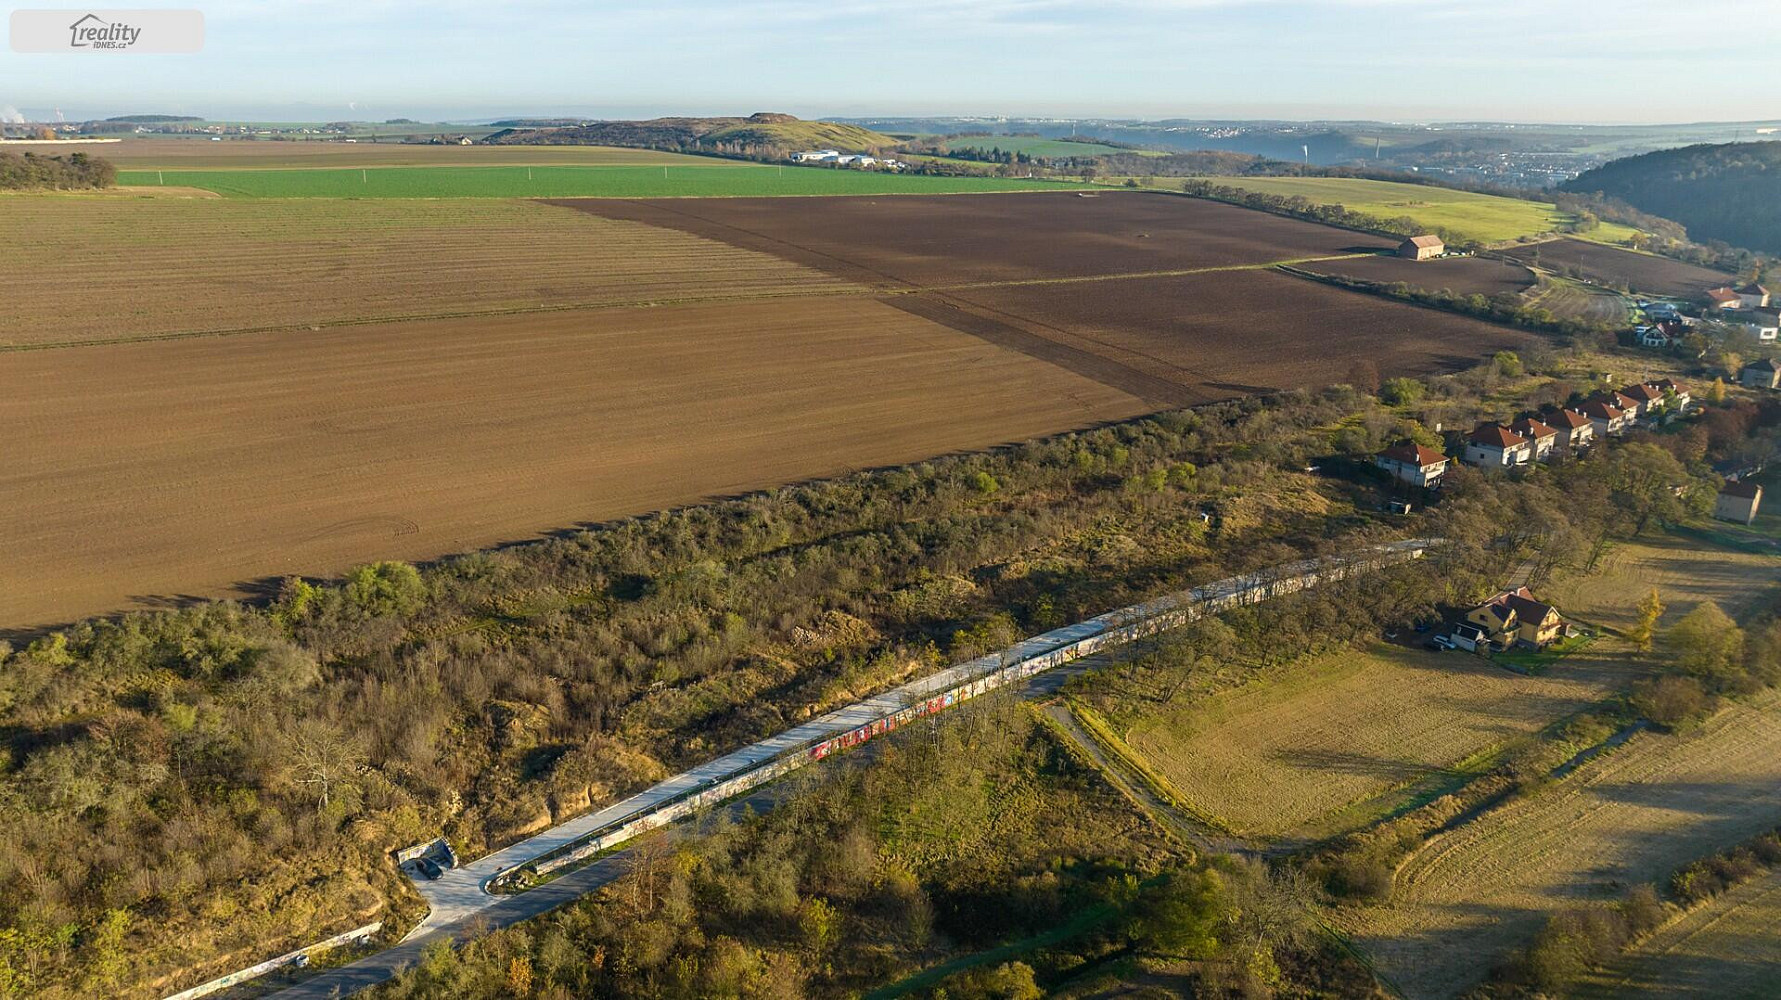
1764, 374
1654, 337
1422, 248
1493, 446
1413, 463
1762, 327
1753, 296
1645, 396
1608, 419
1575, 431
1515, 618
1674, 393
1543, 436
1724, 299
1738, 501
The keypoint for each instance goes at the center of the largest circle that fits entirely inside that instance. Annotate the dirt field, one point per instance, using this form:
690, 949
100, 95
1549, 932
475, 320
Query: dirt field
1631, 816
151, 266
1725, 950
1569, 299
1164, 297
136, 473
1464, 275
1684, 573
192, 154
1609, 265
945, 241
1280, 756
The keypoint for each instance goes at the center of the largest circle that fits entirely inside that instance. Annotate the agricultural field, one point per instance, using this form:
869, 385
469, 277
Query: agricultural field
945, 242
1630, 816
141, 472
1605, 265
1330, 744
142, 267
202, 154
1726, 949
1567, 298
1033, 145
1139, 291
1685, 573
1461, 275
1483, 218
706, 179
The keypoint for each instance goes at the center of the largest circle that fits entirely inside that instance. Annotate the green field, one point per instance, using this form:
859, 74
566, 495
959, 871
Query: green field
1481, 217
1033, 145
564, 182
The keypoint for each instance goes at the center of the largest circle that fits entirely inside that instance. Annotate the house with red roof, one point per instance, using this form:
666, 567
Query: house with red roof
1544, 437
1724, 299
1515, 618
1608, 419
1413, 463
1575, 431
1493, 446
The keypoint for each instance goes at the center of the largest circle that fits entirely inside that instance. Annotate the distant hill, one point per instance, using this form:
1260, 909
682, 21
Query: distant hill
154, 119
762, 130
1730, 193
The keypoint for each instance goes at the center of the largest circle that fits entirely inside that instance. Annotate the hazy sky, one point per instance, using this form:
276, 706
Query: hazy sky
1545, 60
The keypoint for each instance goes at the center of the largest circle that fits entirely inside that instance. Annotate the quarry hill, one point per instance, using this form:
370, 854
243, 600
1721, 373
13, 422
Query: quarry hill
764, 129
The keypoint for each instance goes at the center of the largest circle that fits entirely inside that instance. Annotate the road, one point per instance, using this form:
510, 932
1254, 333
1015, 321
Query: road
459, 901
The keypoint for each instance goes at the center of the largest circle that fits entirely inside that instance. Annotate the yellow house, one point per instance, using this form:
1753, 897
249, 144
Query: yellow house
1514, 618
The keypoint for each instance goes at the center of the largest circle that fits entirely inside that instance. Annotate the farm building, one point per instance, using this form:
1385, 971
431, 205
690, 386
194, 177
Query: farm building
1738, 501
1764, 374
1514, 618
1413, 463
1493, 446
1422, 248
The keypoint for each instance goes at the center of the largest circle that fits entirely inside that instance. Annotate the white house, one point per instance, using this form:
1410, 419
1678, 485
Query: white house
1543, 436
1607, 418
1575, 431
1493, 446
1413, 463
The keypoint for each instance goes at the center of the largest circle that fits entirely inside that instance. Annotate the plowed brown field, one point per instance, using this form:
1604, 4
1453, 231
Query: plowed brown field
141, 472
1606, 265
1463, 275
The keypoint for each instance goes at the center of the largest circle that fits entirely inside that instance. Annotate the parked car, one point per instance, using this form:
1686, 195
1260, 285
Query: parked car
1439, 644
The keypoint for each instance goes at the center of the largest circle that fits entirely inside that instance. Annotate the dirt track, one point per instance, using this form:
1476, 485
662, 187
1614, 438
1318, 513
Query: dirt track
138, 473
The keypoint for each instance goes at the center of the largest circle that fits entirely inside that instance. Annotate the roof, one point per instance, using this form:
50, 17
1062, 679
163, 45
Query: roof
1413, 454
1425, 242
1528, 427
1496, 436
1644, 392
1722, 294
1739, 488
1569, 419
1521, 601
1596, 408
1753, 289
1615, 399
1766, 364
1669, 385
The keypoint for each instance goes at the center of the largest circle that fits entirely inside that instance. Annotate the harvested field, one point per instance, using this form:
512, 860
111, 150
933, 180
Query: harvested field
1627, 817
1461, 275
1684, 572
143, 267
1727, 949
1606, 265
1570, 299
1227, 334
200, 154
1289, 755
140, 473
931, 242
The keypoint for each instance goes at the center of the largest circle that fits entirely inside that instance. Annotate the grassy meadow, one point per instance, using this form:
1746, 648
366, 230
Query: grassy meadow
566, 181
1482, 217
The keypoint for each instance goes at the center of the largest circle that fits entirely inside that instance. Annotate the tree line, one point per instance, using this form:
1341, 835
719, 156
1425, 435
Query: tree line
32, 172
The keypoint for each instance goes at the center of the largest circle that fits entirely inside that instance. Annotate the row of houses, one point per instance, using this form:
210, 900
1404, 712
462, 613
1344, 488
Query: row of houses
1565, 431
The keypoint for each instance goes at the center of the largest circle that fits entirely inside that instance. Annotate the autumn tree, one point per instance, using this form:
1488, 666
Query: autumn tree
1650, 609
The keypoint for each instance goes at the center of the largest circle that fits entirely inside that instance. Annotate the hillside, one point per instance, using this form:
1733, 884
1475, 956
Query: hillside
1728, 192
757, 130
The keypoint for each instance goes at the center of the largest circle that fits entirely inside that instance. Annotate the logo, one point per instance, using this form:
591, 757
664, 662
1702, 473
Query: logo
107, 31
92, 31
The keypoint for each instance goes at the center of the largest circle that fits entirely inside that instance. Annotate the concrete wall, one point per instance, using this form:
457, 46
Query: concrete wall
357, 935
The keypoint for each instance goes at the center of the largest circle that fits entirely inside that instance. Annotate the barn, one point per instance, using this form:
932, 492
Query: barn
1422, 248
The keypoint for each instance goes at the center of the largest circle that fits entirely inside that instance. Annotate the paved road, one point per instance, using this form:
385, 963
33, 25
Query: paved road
459, 901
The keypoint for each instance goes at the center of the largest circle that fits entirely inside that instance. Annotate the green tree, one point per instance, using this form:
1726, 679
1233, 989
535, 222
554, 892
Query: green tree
1507, 364
1401, 391
1709, 645
1180, 916
386, 588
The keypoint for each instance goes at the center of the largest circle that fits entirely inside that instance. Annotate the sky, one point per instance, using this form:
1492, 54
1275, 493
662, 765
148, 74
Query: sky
1608, 61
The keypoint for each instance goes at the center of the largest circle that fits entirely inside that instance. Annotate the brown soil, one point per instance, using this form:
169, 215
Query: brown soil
1607, 265
1463, 275
137, 474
